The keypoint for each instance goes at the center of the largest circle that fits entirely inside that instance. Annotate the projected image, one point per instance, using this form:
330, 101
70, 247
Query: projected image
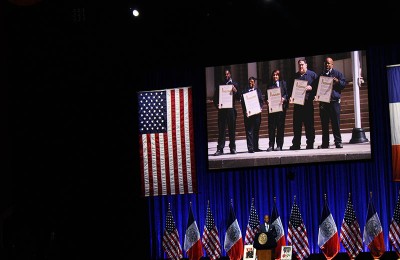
299, 110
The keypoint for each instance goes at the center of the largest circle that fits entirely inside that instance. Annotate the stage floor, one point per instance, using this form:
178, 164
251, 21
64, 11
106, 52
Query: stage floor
349, 152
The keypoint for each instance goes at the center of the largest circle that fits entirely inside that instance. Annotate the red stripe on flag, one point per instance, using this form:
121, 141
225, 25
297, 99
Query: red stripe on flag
174, 143
191, 137
377, 246
183, 142
142, 164
167, 173
158, 163
150, 164
396, 162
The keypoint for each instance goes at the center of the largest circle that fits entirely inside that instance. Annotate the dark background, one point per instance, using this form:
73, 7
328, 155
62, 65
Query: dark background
70, 73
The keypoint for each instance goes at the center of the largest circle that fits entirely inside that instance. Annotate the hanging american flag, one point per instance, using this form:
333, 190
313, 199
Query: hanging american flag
350, 233
170, 242
253, 226
297, 234
373, 232
166, 142
280, 233
210, 239
328, 239
394, 229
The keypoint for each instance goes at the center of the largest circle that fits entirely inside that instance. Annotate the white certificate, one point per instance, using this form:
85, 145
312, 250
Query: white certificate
298, 92
252, 103
324, 90
286, 253
249, 252
225, 96
274, 100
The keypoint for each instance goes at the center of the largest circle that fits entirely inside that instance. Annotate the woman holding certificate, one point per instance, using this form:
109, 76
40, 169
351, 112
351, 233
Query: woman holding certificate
252, 102
277, 100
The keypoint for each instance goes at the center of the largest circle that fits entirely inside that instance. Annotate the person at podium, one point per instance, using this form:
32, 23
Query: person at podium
266, 226
264, 241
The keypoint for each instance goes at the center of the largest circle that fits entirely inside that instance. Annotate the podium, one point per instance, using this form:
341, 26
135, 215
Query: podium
266, 254
265, 244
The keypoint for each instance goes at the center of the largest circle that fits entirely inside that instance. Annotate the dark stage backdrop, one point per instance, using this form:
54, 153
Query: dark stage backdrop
308, 183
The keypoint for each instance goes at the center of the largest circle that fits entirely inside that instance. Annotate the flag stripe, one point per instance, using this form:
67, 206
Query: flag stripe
394, 230
396, 162
166, 167
210, 240
253, 226
350, 234
157, 163
297, 234
190, 133
280, 233
192, 238
373, 234
143, 168
393, 74
183, 143
170, 240
172, 134
394, 110
166, 150
233, 243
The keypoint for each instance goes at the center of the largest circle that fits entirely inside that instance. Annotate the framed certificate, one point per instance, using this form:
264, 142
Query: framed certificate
225, 96
298, 92
324, 89
249, 252
274, 100
252, 103
286, 253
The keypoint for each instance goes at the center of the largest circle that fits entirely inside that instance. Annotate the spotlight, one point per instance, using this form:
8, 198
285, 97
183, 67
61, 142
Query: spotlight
135, 13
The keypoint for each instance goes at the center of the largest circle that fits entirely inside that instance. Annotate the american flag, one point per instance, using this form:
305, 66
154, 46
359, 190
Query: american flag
253, 226
210, 239
394, 230
166, 142
297, 234
350, 233
170, 242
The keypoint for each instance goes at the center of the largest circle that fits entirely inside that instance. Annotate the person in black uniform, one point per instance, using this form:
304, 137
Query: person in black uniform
304, 113
227, 116
276, 120
331, 111
252, 123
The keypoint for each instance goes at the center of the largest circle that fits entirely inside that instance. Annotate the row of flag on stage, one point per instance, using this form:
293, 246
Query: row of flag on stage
350, 235
329, 238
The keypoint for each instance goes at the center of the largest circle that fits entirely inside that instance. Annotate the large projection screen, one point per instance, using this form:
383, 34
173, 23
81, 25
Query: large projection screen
354, 114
